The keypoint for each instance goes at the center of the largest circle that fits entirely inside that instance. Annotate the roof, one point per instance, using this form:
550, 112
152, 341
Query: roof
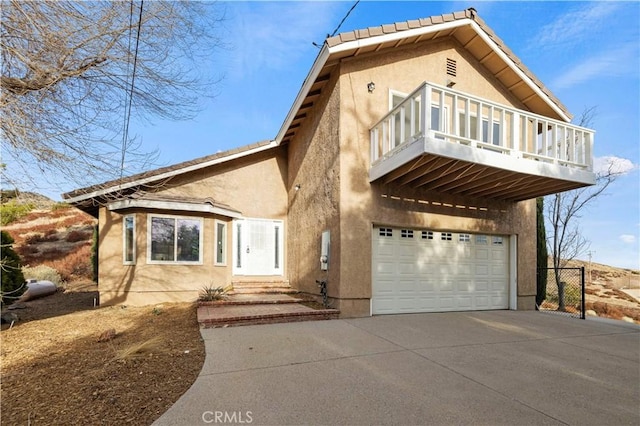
465, 26
149, 177
175, 203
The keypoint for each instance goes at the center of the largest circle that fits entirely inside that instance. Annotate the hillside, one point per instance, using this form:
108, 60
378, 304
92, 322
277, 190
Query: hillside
59, 237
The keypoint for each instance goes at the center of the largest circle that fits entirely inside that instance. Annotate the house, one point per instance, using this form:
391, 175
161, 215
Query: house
404, 175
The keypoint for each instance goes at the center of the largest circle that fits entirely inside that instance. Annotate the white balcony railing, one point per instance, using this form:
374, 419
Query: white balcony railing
453, 117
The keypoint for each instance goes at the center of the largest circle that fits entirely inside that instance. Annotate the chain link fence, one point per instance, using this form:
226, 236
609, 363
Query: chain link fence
564, 291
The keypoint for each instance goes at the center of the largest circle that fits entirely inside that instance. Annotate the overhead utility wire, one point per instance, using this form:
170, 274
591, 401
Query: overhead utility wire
343, 19
339, 25
124, 120
125, 136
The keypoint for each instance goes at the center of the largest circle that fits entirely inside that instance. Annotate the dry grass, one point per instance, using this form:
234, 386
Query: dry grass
74, 265
139, 350
55, 372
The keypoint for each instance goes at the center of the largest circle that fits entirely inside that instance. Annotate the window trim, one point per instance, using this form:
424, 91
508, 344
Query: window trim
225, 232
176, 218
124, 240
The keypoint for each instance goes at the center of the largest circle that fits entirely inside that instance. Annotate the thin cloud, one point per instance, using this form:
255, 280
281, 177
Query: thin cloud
576, 25
273, 35
606, 64
614, 165
627, 238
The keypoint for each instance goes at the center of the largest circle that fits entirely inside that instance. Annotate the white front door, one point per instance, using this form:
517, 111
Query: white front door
258, 247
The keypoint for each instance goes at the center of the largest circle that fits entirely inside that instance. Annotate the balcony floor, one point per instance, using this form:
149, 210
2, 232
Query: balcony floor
441, 166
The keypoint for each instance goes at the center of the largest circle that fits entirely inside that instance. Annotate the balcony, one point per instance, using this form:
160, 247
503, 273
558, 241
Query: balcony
507, 154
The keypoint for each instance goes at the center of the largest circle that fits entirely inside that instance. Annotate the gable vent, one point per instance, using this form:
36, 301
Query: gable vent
451, 67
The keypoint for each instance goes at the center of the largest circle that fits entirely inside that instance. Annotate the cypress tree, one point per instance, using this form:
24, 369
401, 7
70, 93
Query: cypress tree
542, 254
13, 284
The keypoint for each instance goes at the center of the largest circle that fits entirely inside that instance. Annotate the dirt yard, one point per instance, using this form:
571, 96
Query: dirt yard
62, 365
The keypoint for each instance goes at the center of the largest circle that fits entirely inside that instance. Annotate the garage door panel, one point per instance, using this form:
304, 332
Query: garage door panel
460, 272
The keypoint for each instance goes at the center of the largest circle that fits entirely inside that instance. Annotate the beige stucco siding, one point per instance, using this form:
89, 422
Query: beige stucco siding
314, 165
253, 185
363, 204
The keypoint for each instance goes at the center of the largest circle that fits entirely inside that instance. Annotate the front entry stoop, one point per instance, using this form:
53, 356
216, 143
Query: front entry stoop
260, 308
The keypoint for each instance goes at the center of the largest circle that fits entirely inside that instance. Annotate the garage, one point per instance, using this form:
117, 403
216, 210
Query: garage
421, 270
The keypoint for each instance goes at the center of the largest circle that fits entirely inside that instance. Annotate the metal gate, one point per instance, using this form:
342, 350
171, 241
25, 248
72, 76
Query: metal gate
563, 292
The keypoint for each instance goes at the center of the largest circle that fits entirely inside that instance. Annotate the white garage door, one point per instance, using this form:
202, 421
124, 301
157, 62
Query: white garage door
417, 270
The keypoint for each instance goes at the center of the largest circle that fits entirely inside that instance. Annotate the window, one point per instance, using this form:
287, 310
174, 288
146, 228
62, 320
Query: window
473, 129
175, 239
396, 99
221, 243
446, 236
464, 238
406, 233
481, 239
129, 240
497, 241
276, 244
385, 232
427, 235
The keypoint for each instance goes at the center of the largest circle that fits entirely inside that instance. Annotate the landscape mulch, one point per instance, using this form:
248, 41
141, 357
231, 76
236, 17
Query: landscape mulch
66, 362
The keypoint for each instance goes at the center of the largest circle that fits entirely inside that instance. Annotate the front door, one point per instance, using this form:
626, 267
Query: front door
258, 247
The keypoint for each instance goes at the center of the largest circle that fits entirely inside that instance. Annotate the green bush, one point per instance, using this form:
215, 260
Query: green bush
60, 205
43, 273
94, 254
12, 211
211, 293
13, 284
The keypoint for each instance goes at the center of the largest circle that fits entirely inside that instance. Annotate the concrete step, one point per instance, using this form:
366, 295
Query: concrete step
253, 299
263, 290
262, 287
260, 313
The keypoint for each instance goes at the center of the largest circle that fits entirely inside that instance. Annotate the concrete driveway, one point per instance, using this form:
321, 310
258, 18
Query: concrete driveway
498, 367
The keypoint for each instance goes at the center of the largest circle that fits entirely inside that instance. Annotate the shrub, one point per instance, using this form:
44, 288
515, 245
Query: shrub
94, 254
12, 278
43, 273
60, 205
12, 211
74, 265
210, 293
75, 236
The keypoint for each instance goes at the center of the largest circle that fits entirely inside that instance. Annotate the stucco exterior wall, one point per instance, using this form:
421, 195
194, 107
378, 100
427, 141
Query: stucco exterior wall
363, 204
314, 165
254, 185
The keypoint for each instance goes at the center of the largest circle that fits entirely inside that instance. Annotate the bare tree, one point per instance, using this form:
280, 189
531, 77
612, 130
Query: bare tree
73, 73
563, 211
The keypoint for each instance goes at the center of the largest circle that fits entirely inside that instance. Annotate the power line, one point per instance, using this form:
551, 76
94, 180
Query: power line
343, 19
339, 25
125, 135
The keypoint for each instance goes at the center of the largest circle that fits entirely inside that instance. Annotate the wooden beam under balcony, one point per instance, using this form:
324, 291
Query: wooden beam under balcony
556, 156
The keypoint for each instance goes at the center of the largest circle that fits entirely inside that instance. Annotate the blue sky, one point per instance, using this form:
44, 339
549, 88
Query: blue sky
587, 53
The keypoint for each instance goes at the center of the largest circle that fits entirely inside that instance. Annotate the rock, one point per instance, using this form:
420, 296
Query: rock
627, 319
107, 335
17, 306
591, 313
9, 317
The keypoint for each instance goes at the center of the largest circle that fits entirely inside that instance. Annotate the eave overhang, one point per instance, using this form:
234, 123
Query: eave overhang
468, 29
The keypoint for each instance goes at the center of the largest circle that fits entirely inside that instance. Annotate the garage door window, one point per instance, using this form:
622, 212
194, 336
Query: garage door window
446, 236
497, 241
464, 238
386, 232
427, 235
481, 239
406, 233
